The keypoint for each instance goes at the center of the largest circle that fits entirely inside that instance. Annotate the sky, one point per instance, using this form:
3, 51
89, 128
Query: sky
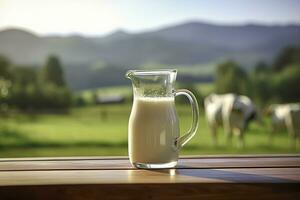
100, 17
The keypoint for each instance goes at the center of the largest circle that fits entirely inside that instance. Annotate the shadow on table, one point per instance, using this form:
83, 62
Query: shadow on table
229, 176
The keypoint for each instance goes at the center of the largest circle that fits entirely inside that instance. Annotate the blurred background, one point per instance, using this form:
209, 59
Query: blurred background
62, 67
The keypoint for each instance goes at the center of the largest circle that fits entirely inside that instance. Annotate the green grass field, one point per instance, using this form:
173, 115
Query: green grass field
102, 131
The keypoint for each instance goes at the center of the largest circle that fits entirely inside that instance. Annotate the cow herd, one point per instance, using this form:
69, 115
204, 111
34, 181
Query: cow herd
235, 112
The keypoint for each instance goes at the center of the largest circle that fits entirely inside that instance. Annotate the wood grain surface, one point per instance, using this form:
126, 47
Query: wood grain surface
123, 163
207, 177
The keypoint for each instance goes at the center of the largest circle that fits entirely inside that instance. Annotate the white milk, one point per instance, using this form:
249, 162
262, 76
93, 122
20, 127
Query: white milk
153, 128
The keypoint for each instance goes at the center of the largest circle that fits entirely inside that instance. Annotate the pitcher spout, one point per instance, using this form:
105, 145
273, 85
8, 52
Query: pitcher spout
129, 74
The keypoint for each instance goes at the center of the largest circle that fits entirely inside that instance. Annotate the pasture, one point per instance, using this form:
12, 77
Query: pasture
102, 131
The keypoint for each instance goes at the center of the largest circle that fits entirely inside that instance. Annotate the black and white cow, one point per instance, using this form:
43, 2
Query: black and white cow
233, 112
286, 116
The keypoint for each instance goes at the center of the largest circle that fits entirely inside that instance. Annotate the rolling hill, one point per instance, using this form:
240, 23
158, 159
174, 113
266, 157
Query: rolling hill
187, 44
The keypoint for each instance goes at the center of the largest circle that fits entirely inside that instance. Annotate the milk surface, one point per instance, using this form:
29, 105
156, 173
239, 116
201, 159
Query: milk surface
153, 128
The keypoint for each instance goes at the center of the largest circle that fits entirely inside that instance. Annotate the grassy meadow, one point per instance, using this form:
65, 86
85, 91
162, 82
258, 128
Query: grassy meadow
102, 131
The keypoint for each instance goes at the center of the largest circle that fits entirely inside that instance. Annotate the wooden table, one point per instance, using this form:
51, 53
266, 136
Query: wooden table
205, 177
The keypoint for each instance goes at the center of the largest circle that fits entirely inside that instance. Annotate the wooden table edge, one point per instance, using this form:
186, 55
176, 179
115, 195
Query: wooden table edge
70, 158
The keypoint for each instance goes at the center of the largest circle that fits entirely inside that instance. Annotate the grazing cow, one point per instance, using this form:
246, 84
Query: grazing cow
232, 111
286, 116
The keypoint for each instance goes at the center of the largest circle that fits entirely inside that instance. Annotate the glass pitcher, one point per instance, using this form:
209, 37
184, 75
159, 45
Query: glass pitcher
153, 131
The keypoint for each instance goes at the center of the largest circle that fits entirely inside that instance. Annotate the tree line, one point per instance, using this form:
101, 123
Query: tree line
277, 82
44, 88
33, 88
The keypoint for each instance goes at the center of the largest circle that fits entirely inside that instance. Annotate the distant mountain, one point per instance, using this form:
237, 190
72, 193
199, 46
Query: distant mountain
233, 37
183, 44
115, 36
21, 46
186, 44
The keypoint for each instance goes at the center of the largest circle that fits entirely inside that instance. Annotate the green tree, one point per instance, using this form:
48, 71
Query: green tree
29, 93
261, 83
4, 67
261, 68
24, 75
53, 91
54, 98
287, 84
231, 78
24, 83
279, 82
53, 72
287, 57
5, 82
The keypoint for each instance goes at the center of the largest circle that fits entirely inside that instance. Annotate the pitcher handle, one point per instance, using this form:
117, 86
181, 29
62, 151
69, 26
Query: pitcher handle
182, 140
